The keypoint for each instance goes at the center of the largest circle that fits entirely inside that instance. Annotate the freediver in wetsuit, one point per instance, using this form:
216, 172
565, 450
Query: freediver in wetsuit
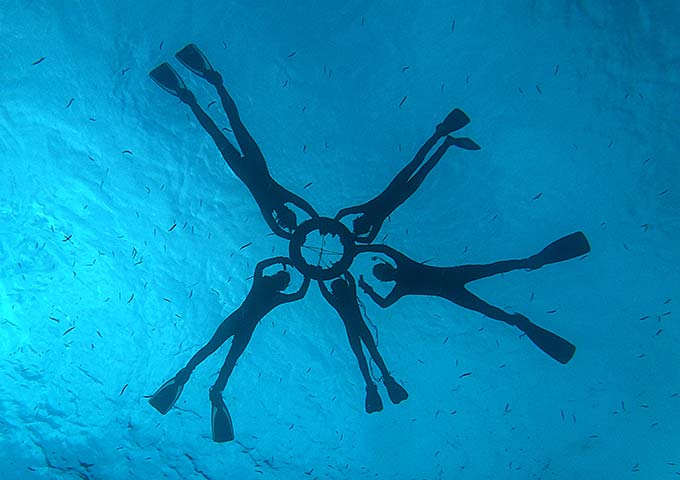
413, 278
265, 295
373, 213
250, 167
343, 297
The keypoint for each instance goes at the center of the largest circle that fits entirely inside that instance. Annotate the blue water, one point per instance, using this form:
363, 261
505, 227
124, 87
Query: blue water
101, 300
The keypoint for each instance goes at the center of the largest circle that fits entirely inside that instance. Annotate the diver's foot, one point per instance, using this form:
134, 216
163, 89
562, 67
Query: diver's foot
167, 78
220, 420
455, 120
373, 400
462, 142
396, 392
167, 395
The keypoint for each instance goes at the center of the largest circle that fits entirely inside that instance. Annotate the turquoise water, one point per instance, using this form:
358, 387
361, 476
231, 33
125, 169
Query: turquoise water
102, 300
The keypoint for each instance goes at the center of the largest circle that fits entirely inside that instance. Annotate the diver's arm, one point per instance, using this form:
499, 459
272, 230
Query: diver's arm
291, 297
326, 294
300, 202
384, 249
351, 210
350, 279
259, 269
384, 302
273, 225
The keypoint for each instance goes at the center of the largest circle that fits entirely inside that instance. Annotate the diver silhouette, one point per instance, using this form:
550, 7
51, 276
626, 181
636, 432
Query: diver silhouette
251, 167
264, 295
413, 278
343, 297
374, 212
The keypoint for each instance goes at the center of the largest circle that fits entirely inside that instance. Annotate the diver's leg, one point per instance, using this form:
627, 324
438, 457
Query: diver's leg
402, 177
168, 394
220, 419
228, 151
221, 335
373, 402
466, 299
552, 344
469, 273
237, 348
413, 183
248, 146
396, 392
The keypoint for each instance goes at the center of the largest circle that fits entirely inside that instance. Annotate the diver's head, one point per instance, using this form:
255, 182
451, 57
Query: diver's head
280, 280
286, 218
339, 287
361, 225
384, 272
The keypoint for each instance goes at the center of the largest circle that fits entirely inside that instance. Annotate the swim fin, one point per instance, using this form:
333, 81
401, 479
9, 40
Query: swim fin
221, 426
166, 396
552, 344
167, 78
465, 143
373, 401
455, 120
565, 248
396, 392
192, 58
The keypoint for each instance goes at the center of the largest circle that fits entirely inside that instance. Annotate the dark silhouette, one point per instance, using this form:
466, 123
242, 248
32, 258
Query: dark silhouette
343, 297
265, 294
374, 212
251, 167
413, 278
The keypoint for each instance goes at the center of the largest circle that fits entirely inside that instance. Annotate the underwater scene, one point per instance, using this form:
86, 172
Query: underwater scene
339, 240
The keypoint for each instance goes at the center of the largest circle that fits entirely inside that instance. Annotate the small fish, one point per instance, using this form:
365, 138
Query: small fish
557, 69
131, 298
124, 71
403, 100
128, 152
123, 390
405, 68
538, 89
67, 238
173, 227
246, 245
54, 319
70, 102
292, 54
160, 47
453, 25
537, 196
211, 103
308, 185
465, 375
445, 340
67, 331
38, 61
